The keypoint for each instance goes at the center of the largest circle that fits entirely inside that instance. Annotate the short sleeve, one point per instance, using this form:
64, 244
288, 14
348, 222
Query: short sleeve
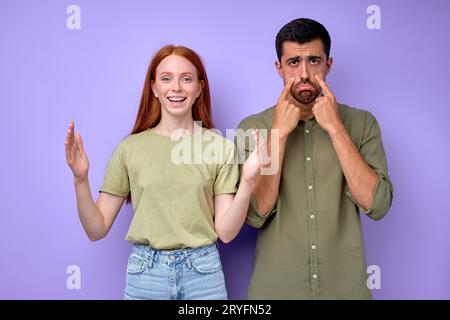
227, 176
116, 180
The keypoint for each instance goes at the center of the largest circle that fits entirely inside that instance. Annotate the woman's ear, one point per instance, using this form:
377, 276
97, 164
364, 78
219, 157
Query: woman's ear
153, 89
201, 88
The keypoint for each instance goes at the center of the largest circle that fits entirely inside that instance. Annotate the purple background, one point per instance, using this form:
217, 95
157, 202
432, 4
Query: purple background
50, 74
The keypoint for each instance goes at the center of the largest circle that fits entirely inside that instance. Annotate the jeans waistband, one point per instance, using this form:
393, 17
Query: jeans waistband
162, 255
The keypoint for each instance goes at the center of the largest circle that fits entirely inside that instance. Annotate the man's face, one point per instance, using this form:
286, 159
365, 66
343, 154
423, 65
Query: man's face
302, 62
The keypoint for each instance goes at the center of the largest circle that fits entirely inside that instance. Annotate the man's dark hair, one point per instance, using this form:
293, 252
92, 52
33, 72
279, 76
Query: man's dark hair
301, 31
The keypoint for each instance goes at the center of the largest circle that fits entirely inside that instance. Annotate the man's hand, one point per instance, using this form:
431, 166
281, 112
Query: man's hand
326, 110
286, 114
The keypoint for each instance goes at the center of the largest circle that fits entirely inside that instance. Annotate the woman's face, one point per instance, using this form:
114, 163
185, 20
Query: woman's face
176, 85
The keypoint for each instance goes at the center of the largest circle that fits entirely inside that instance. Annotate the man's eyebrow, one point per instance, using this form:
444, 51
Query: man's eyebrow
293, 59
297, 58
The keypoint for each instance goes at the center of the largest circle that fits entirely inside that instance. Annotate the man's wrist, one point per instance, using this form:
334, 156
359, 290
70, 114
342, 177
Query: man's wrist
282, 136
337, 129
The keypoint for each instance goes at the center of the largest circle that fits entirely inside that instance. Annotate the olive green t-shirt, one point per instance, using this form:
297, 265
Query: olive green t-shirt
172, 185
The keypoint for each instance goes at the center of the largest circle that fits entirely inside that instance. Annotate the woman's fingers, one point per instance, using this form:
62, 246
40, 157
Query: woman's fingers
69, 137
67, 147
73, 150
263, 157
70, 142
258, 150
254, 153
79, 142
258, 143
70, 132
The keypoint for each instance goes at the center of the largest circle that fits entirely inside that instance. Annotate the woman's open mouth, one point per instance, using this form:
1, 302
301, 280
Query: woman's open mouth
175, 99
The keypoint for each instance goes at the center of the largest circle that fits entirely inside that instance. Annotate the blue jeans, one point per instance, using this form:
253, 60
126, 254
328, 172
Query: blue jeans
180, 274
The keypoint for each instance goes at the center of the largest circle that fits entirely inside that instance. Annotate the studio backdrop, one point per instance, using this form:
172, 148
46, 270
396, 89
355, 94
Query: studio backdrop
86, 60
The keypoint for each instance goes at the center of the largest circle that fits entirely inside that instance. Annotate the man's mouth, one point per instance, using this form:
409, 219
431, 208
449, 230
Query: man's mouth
306, 87
176, 98
305, 92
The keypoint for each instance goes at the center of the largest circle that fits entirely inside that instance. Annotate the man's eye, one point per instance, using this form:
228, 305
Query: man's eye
293, 62
315, 61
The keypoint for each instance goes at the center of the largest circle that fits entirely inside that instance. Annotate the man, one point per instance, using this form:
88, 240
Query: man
331, 164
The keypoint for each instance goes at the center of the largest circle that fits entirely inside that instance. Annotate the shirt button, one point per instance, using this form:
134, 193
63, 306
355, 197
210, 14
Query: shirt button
308, 159
309, 187
313, 247
315, 276
312, 216
307, 131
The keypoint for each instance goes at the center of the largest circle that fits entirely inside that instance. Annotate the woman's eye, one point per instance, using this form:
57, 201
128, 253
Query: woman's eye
187, 79
165, 79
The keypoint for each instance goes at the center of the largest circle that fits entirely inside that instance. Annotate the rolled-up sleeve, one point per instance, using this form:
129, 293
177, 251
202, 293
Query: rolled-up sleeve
253, 218
371, 148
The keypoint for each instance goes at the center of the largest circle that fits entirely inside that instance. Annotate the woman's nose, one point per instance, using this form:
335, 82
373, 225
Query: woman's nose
176, 86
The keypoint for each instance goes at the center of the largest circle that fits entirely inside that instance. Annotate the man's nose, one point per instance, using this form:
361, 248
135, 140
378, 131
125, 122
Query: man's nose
304, 72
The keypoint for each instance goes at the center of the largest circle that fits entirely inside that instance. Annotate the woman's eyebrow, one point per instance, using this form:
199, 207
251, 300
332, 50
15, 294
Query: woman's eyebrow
171, 73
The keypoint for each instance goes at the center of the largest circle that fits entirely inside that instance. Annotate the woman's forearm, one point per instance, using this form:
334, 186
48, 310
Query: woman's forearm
232, 220
90, 216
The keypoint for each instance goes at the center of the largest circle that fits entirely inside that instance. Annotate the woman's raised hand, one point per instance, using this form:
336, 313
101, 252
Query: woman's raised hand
257, 159
75, 154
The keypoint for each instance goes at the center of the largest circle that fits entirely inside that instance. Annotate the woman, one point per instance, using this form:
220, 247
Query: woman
180, 209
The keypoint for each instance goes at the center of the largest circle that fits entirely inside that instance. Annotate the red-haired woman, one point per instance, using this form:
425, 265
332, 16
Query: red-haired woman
180, 207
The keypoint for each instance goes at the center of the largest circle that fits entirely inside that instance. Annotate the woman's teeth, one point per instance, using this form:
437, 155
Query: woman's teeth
176, 99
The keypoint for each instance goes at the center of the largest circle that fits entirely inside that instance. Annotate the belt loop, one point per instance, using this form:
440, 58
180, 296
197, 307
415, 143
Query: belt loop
189, 262
151, 256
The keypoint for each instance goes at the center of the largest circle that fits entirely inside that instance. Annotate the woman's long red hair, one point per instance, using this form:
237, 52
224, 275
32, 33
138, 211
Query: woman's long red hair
149, 113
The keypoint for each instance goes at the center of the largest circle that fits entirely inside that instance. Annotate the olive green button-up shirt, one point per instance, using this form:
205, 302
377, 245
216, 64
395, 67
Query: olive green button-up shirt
310, 244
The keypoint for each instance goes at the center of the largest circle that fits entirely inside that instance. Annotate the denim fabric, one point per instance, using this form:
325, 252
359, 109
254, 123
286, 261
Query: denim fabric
180, 274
